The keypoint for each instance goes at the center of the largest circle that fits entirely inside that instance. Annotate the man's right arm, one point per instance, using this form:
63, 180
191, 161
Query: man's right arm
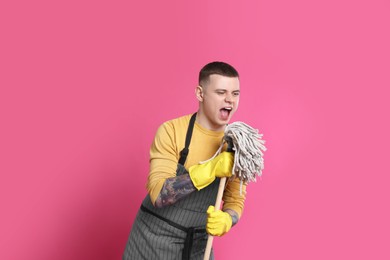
174, 189
198, 177
168, 181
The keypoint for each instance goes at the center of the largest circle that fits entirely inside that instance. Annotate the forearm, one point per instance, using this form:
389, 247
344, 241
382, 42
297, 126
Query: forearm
234, 196
234, 216
174, 189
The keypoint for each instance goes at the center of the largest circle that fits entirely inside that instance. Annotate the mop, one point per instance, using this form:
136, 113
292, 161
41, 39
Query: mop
248, 148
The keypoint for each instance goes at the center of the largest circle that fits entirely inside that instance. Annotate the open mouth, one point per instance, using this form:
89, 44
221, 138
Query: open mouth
225, 112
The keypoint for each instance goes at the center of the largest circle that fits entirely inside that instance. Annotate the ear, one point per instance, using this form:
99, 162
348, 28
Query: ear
199, 93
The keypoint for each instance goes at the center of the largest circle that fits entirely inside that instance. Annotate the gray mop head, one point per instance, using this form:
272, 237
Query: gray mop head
248, 147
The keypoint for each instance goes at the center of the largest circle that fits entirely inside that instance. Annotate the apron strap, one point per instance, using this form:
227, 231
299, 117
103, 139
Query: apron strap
184, 152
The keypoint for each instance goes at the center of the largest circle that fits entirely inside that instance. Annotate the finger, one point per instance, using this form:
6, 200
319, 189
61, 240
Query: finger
210, 209
213, 216
213, 221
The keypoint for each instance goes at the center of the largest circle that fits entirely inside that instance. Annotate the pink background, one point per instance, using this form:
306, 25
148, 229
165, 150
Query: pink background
85, 84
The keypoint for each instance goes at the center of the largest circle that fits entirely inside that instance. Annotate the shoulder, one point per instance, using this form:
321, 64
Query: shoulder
179, 121
176, 124
173, 128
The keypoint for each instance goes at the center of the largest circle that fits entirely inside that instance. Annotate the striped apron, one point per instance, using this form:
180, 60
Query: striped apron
176, 231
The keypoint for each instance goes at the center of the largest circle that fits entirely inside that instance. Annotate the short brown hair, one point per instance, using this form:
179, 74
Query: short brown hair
216, 67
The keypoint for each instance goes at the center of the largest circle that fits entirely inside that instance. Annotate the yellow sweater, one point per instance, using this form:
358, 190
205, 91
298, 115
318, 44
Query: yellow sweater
165, 153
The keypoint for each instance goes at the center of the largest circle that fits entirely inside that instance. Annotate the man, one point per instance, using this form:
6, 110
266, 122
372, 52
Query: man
177, 214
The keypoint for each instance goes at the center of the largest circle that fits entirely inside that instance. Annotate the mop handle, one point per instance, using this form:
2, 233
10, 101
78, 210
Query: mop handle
218, 202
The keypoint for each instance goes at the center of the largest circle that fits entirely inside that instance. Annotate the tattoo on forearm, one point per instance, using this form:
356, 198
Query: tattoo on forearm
234, 216
174, 189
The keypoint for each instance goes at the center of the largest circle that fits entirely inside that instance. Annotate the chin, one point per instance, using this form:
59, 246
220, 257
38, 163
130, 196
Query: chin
223, 122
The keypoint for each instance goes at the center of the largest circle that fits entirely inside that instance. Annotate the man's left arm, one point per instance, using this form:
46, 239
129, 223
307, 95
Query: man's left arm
234, 198
219, 222
233, 215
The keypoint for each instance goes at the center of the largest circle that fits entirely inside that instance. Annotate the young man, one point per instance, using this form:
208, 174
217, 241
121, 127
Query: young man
177, 214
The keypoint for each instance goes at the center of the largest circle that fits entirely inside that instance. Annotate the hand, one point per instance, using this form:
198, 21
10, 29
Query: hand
204, 174
218, 222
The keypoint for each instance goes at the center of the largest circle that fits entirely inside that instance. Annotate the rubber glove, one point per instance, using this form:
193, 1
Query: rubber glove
204, 174
218, 222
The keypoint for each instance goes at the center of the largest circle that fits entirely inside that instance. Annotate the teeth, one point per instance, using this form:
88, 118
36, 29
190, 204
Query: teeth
228, 108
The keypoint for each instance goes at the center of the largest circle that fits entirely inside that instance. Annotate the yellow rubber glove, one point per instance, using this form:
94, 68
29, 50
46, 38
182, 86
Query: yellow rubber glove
218, 222
204, 174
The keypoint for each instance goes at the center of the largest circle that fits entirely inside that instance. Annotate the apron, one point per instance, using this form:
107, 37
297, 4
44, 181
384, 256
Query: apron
176, 231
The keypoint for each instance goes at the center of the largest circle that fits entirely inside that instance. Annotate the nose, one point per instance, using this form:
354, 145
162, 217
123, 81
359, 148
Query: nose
228, 98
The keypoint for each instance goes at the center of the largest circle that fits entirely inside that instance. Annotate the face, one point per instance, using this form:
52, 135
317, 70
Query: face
218, 101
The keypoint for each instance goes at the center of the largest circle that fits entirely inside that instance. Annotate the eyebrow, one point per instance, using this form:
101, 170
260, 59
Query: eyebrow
224, 90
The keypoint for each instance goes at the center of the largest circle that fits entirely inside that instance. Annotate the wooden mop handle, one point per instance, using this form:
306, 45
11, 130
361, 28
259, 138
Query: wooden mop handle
218, 202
